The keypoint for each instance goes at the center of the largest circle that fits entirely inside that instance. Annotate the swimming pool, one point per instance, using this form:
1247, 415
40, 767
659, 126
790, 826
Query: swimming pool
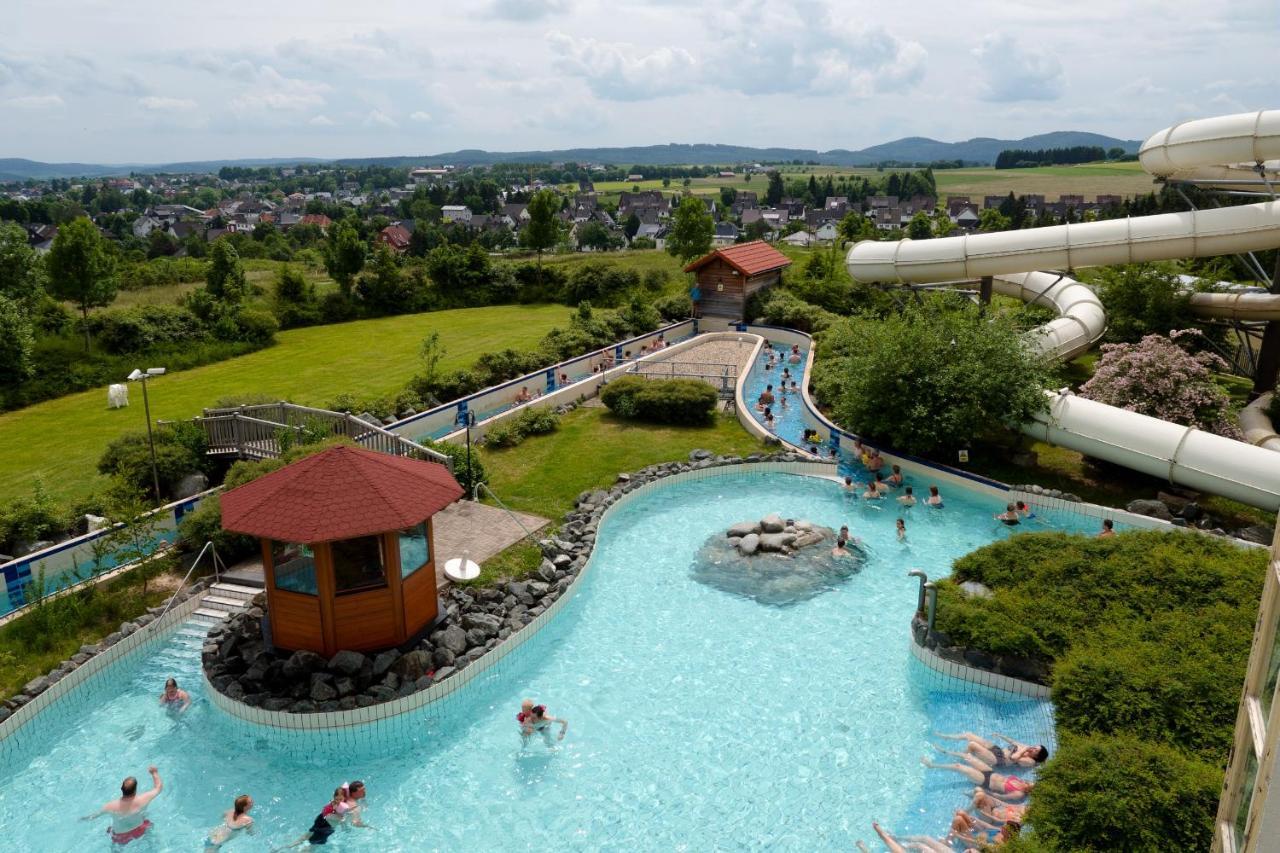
699, 719
789, 422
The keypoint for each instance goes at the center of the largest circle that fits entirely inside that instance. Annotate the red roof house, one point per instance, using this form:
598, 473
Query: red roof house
347, 547
727, 277
318, 219
395, 236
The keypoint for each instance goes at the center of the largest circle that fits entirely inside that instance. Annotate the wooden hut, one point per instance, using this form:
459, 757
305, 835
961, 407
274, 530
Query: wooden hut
346, 547
727, 277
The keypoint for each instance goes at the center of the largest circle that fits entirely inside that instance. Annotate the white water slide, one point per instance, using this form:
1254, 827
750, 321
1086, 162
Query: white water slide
1225, 152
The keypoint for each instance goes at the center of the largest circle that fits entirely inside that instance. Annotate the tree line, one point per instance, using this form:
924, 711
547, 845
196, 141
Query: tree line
1021, 158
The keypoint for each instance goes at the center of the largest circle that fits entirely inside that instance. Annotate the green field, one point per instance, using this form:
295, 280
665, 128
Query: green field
60, 441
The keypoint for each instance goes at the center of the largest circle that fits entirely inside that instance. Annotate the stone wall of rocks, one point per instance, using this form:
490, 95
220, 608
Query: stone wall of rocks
1025, 669
475, 620
86, 652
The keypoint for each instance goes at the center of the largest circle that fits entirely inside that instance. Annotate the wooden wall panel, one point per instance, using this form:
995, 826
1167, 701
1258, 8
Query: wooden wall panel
364, 620
295, 621
420, 600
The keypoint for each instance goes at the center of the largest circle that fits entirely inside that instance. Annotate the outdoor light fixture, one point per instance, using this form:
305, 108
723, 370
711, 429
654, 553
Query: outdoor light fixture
141, 376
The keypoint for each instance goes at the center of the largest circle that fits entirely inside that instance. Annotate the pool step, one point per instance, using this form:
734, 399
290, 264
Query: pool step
235, 590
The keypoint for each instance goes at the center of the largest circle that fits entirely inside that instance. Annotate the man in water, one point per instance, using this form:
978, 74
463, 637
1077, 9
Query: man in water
534, 718
128, 821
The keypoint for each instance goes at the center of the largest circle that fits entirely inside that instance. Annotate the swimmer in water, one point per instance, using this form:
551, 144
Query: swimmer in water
902, 530
534, 718
991, 753
173, 699
1009, 516
233, 821
907, 499
334, 813
1024, 510
934, 499
850, 486
128, 813
895, 478
840, 550
999, 785
1108, 529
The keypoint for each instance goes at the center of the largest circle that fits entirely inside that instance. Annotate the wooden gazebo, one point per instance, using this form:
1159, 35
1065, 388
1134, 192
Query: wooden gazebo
727, 277
346, 547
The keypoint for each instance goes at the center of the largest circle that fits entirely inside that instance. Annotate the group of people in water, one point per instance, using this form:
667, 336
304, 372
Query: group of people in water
128, 812
998, 803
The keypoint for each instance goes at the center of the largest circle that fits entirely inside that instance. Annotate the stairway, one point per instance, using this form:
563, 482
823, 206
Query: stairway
225, 599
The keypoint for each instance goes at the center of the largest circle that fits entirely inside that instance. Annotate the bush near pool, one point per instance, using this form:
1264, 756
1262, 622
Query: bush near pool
663, 401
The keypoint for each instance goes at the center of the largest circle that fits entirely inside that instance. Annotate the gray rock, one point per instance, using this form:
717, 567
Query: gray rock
974, 589
1260, 533
276, 703
302, 664
347, 703
192, 484
699, 454
90, 650
127, 628
547, 570
476, 637
743, 528
381, 694
112, 638
749, 544
383, 662
443, 657
346, 662
776, 542
444, 672
303, 706
345, 686
1151, 508
321, 691
37, 685
481, 622
454, 639
235, 690
423, 683
405, 689
772, 524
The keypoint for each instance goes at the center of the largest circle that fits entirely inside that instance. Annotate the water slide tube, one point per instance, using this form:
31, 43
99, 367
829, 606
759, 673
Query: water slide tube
1220, 150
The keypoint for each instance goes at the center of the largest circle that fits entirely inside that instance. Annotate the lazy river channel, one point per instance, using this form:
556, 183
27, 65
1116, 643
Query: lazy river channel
700, 718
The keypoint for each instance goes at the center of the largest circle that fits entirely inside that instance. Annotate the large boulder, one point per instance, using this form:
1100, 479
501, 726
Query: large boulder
192, 484
1151, 508
346, 662
776, 542
772, 524
749, 544
302, 663
454, 639
481, 622
743, 528
413, 665
384, 662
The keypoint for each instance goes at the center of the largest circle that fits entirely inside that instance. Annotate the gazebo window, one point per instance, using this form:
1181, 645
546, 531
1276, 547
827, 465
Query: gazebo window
295, 567
415, 550
358, 564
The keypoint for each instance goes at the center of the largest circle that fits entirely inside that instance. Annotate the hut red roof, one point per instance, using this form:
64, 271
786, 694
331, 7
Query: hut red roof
339, 493
747, 258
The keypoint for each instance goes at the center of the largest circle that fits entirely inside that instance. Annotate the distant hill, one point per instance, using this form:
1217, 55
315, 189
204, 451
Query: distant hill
911, 149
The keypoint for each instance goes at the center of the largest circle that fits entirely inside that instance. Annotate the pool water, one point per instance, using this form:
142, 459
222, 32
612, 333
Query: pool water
789, 422
699, 719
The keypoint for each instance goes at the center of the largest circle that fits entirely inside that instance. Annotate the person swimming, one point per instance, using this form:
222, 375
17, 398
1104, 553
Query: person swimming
902, 530
999, 785
934, 499
1024, 510
850, 486
236, 819
1108, 529
173, 699
128, 813
840, 550
326, 822
895, 478
794, 357
908, 498
1009, 516
534, 718
989, 752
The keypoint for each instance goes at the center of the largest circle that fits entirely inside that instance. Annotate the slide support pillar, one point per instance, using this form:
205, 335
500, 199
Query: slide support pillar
984, 291
1264, 377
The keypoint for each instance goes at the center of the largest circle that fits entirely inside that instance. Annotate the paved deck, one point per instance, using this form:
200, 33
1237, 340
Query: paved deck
479, 529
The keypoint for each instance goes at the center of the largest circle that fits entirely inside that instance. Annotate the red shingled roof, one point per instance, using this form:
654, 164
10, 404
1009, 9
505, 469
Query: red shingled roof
337, 494
747, 258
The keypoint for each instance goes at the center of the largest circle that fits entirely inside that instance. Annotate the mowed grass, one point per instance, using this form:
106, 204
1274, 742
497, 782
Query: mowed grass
1086, 179
544, 474
60, 441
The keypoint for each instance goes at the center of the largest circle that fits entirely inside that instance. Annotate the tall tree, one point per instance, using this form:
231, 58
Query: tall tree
345, 256
16, 342
225, 275
543, 229
21, 272
631, 226
920, 228
82, 269
773, 194
691, 229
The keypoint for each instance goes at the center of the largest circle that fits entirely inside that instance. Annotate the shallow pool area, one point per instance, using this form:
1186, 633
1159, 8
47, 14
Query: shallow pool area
699, 719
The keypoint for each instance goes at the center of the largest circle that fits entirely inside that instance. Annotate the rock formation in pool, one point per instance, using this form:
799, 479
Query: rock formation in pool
774, 561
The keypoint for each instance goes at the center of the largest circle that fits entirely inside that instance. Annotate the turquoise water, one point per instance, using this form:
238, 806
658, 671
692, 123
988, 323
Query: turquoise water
699, 719
789, 423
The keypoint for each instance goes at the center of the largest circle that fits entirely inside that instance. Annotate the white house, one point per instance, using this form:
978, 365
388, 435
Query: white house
456, 213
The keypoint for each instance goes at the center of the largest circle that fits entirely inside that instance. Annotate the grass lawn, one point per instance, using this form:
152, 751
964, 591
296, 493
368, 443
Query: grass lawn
60, 441
545, 474
1087, 179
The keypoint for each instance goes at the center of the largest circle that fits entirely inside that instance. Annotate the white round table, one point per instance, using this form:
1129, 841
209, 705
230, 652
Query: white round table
461, 569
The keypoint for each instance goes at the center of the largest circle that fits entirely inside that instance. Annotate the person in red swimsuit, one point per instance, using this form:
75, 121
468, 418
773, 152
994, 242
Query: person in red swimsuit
128, 818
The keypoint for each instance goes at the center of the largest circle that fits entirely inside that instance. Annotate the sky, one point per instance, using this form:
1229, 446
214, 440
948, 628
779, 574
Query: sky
150, 82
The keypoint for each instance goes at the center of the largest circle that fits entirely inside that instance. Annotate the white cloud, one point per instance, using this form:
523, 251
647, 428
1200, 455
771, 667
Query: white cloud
1012, 73
161, 104
321, 121
419, 115
377, 118
35, 102
621, 72
269, 90
527, 10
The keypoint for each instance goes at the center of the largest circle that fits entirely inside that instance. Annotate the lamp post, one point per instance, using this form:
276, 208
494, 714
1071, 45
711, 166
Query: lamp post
470, 417
143, 376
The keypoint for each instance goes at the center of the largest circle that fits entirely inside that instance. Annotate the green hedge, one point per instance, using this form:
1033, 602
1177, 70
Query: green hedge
665, 401
539, 420
131, 330
1146, 636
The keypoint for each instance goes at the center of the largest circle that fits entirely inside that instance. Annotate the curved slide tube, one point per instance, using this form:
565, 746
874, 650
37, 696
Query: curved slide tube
1194, 458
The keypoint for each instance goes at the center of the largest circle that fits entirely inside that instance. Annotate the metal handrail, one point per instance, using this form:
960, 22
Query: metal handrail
924, 579
217, 561
475, 496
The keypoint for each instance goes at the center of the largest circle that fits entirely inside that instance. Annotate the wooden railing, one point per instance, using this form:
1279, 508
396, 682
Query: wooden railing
255, 431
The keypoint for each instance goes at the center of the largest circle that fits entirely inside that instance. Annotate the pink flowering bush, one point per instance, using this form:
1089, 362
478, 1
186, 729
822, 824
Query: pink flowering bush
1159, 377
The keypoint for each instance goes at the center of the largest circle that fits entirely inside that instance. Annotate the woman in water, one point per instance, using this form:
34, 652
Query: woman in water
323, 826
768, 419
234, 820
794, 357
997, 784
534, 718
1024, 510
895, 478
902, 530
916, 842
1009, 517
934, 499
988, 806
992, 754
174, 700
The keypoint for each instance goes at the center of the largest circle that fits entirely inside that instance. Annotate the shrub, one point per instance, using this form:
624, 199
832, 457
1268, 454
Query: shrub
1142, 299
600, 283
31, 518
501, 365
16, 343
535, 421
457, 453
337, 307
1160, 378
668, 401
502, 435
180, 450
1106, 793
446, 386
783, 309
929, 379
676, 307
131, 330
